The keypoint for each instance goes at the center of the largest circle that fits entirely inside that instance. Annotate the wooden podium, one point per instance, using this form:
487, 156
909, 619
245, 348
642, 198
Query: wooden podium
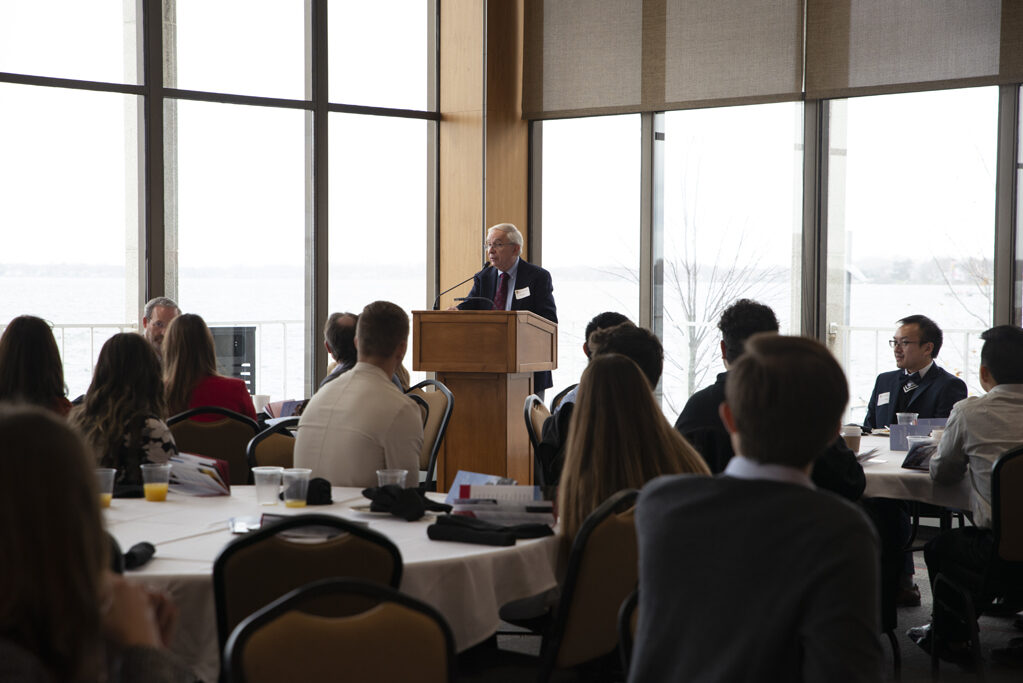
487, 360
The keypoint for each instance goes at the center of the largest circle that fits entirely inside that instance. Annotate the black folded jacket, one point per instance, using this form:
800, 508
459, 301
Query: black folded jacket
409, 504
471, 530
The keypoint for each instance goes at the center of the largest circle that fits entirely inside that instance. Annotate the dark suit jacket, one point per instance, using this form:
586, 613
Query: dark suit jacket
540, 300
939, 390
836, 470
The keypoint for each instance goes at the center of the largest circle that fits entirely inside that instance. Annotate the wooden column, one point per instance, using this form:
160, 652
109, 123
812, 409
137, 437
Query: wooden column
484, 143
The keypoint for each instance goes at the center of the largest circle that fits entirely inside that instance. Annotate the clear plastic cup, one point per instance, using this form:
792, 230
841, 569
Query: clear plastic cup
268, 484
851, 435
907, 418
296, 485
388, 477
105, 484
156, 481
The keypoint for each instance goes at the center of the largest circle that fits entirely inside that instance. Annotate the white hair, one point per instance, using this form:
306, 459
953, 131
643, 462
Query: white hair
514, 236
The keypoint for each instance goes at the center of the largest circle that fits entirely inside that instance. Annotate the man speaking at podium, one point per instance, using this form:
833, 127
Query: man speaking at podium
508, 283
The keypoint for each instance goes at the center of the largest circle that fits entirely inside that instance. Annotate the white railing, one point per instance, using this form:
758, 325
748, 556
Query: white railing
79, 346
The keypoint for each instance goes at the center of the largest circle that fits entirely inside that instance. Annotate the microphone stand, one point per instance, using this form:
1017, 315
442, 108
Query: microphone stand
436, 302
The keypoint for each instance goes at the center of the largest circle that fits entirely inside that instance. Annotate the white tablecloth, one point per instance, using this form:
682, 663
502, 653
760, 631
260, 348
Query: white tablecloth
466, 583
888, 479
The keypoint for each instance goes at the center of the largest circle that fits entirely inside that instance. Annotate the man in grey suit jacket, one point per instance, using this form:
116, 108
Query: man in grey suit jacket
800, 565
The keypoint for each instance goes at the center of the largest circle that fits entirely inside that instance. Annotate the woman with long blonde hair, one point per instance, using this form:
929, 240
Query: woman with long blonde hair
619, 439
190, 371
122, 417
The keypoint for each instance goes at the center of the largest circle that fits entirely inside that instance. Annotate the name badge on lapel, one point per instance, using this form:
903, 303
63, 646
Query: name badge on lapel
882, 399
522, 293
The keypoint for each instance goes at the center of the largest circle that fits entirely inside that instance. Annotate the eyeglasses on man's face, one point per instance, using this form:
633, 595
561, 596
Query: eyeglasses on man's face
487, 246
901, 342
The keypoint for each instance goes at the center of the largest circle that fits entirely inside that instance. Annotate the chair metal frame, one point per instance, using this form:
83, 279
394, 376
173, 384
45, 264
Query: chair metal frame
235, 647
535, 404
618, 503
996, 563
556, 401
269, 531
284, 428
228, 414
430, 481
626, 628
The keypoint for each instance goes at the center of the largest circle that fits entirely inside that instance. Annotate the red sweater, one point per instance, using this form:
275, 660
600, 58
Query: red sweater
225, 392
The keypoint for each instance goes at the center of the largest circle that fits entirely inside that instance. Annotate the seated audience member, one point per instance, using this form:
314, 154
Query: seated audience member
339, 338
122, 416
156, 317
30, 367
700, 422
190, 372
618, 440
63, 615
601, 321
980, 430
918, 386
799, 565
921, 387
636, 343
361, 422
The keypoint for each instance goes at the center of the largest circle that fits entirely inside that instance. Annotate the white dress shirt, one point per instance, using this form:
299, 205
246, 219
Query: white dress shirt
979, 430
358, 424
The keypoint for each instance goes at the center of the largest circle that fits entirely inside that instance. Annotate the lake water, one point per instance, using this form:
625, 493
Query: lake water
277, 301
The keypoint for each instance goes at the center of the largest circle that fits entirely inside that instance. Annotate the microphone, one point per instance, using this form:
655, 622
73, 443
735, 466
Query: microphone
436, 302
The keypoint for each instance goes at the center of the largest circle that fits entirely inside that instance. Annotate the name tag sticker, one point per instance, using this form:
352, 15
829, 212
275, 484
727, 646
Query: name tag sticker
882, 399
522, 293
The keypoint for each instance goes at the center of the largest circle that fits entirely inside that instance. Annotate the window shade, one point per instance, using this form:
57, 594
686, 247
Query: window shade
584, 57
868, 47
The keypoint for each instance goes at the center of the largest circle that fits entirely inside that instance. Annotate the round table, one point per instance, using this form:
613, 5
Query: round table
886, 478
466, 583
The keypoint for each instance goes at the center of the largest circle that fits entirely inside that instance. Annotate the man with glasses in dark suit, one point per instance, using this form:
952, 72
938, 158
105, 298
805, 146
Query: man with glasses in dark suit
919, 385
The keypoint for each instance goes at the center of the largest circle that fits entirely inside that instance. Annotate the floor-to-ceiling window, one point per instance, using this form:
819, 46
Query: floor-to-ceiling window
591, 202
911, 224
731, 199
241, 207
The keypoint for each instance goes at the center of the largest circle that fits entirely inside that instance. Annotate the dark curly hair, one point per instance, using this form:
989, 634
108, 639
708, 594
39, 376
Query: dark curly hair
742, 320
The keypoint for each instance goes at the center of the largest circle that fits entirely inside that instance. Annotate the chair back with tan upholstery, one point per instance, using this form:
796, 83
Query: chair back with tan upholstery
225, 439
395, 638
603, 569
274, 446
254, 570
1007, 505
439, 402
535, 414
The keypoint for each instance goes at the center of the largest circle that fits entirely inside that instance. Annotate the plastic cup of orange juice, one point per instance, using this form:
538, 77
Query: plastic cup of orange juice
155, 480
105, 484
296, 484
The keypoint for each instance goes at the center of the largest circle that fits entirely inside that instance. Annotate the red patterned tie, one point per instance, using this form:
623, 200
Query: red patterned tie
502, 293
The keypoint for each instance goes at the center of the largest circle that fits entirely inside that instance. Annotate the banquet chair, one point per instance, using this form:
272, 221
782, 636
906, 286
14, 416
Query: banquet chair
225, 439
439, 402
261, 566
556, 401
952, 600
535, 414
394, 638
602, 572
627, 617
274, 446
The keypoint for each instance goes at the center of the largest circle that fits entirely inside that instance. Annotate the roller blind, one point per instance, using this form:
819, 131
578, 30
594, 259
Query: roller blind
867, 47
584, 57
